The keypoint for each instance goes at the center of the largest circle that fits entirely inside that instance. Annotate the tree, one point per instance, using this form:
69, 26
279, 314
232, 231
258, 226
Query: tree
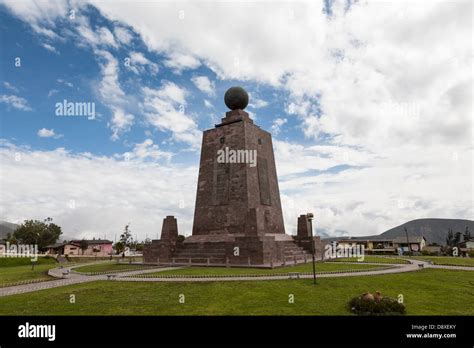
126, 236
467, 234
11, 239
119, 247
37, 232
457, 238
450, 238
84, 245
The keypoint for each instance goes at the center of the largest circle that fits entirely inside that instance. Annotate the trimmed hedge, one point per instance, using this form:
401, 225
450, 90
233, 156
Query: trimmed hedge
386, 306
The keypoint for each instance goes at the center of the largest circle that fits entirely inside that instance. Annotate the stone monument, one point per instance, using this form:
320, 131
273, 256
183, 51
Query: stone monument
238, 217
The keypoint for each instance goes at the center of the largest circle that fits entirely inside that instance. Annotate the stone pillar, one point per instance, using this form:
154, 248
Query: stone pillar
304, 237
169, 231
304, 227
164, 248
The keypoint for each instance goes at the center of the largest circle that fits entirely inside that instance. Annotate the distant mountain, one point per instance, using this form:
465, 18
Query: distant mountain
5, 228
434, 230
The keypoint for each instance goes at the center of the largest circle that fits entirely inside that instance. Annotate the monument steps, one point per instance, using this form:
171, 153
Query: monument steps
199, 253
202, 253
200, 261
292, 250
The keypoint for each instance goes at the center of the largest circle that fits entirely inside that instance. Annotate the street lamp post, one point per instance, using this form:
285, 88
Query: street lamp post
408, 242
310, 217
34, 262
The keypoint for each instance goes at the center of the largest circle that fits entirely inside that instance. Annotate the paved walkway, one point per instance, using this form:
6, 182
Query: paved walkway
68, 278
459, 268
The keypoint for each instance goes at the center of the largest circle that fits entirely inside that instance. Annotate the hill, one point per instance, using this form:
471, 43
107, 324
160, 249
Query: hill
5, 228
434, 230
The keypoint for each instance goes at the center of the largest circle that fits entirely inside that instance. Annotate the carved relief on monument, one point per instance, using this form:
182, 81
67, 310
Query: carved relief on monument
220, 190
263, 181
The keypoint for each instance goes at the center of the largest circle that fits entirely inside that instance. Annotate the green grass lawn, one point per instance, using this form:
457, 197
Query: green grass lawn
105, 267
370, 258
13, 270
308, 267
24, 261
447, 260
425, 292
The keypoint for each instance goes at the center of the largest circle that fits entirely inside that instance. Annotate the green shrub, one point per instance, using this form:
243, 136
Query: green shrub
386, 306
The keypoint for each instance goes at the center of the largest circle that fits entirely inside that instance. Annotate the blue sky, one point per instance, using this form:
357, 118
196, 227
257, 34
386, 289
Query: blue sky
72, 73
370, 128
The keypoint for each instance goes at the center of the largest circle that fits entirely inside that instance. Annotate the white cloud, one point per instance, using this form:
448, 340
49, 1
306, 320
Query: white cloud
276, 126
15, 101
10, 87
204, 84
48, 133
95, 37
120, 122
165, 109
256, 102
39, 13
244, 51
172, 92
369, 193
123, 35
385, 84
295, 160
106, 37
111, 94
138, 61
147, 150
64, 82
73, 188
52, 92
352, 60
50, 48
208, 104
180, 61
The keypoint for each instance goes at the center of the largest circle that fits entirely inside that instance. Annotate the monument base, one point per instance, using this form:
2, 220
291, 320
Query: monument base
268, 250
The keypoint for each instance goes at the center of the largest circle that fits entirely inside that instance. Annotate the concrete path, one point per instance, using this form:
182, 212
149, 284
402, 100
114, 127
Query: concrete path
69, 279
459, 268
77, 278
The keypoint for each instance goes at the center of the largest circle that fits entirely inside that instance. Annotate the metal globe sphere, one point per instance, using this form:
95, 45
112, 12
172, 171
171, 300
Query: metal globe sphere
236, 98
